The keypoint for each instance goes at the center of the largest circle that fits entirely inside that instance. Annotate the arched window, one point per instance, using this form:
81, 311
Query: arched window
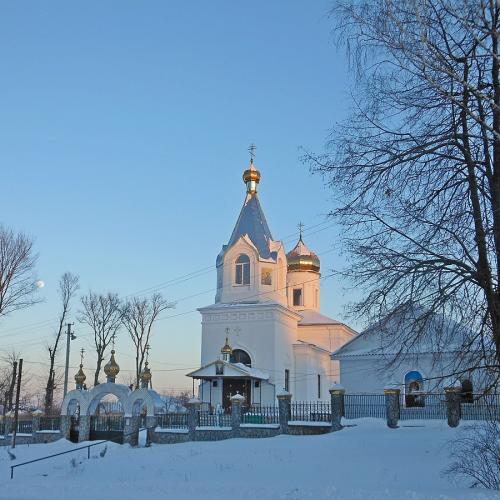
242, 276
240, 356
414, 385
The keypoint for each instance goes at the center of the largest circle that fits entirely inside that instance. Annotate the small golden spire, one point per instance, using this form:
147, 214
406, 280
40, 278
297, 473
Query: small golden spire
80, 377
251, 176
111, 369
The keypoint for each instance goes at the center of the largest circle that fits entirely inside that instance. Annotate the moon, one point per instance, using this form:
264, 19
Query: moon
39, 284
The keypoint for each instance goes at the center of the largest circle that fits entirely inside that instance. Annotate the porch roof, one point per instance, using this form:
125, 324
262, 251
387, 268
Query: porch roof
231, 370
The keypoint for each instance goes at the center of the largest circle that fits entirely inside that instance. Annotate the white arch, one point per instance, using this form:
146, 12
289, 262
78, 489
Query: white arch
88, 400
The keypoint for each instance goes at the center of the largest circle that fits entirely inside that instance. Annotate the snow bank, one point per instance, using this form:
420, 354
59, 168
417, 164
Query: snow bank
365, 462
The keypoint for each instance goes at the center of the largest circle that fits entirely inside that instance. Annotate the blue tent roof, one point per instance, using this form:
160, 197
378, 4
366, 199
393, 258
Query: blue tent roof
252, 222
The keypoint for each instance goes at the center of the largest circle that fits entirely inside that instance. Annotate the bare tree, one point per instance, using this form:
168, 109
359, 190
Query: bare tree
68, 285
17, 265
139, 315
102, 313
416, 166
8, 374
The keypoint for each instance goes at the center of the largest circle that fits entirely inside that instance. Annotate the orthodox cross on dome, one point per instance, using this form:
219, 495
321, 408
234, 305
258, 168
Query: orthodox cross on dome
148, 347
301, 228
251, 150
113, 341
82, 351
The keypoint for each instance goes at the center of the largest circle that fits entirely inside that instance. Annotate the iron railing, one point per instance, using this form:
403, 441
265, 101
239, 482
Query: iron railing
24, 426
481, 407
364, 405
107, 423
172, 420
50, 423
207, 419
260, 414
317, 411
426, 407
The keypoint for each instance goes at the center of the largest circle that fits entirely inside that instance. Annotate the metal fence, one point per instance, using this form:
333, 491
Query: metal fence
319, 411
259, 414
2, 428
24, 426
106, 423
172, 420
428, 407
364, 405
49, 423
207, 419
481, 407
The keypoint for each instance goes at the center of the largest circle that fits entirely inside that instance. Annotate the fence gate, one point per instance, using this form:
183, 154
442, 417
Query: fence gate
107, 427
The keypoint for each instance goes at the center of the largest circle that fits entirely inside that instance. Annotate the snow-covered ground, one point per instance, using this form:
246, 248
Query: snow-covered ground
368, 461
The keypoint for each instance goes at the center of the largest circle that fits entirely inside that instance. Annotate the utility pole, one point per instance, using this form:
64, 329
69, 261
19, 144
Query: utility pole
69, 337
16, 411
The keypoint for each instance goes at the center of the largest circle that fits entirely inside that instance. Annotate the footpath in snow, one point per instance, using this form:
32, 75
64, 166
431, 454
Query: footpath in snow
367, 461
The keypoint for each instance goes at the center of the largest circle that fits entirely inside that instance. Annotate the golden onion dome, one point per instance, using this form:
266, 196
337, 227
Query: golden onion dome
251, 177
227, 348
111, 369
302, 259
146, 374
80, 376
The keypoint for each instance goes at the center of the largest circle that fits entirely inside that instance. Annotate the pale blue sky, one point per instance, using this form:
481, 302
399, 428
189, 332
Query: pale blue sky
123, 135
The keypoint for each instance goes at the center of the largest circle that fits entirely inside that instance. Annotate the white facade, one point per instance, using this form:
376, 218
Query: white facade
267, 306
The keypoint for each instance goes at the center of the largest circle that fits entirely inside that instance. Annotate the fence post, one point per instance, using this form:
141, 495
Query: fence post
285, 410
236, 415
453, 399
392, 406
35, 423
193, 406
337, 404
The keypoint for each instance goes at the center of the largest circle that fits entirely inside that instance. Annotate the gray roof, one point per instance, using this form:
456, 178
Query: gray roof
252, 222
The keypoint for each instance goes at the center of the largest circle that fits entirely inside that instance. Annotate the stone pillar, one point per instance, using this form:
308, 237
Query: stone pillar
285, 410
84, 428
337, 405
453, 409
65, 425
150, 426
193, 406
35, 423
131, 430
392, 406
236, 414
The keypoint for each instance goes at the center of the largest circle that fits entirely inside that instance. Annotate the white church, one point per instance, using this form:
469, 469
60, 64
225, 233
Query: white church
265, 333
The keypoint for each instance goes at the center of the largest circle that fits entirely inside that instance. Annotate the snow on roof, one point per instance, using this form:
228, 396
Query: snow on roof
315, 318
424, 333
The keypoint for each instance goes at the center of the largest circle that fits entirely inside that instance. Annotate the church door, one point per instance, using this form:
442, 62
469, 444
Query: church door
231, 386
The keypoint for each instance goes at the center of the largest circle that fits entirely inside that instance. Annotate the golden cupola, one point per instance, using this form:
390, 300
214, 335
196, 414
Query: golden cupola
226, 351
111, 369
80, 377
302, 259
145, 376
251, 177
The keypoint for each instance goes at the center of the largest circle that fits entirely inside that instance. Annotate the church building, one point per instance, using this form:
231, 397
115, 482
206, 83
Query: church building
265, 333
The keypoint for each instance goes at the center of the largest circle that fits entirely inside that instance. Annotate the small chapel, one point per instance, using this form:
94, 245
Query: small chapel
265, 333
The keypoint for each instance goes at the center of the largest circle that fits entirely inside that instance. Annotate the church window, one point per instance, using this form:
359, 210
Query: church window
297, 296
287, 380
266, 277
240, 356
214, 383
414, 385
219, 368
319, 386
243, 270
257, 383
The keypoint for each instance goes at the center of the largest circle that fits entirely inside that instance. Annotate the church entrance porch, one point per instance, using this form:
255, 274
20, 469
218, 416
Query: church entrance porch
232, 386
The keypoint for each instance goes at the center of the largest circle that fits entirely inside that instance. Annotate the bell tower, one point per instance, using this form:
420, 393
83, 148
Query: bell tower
303, 277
